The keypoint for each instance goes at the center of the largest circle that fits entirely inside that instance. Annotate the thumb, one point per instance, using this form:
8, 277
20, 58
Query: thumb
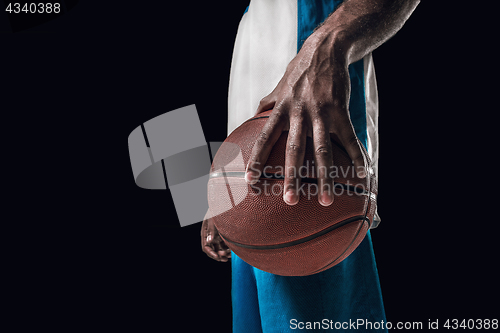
212, 232
265, 104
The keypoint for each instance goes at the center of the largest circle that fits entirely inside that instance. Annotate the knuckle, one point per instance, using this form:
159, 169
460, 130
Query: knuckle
299, 111
263, 136
290, 177
321, 109
317, 114
321, 120
294, 148
353, 142
322, 151
339, 104
278, 113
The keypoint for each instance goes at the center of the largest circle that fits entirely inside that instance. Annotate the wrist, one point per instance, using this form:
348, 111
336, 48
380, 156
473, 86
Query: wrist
333, 43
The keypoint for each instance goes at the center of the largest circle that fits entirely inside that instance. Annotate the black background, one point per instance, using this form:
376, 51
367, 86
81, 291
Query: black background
94, 250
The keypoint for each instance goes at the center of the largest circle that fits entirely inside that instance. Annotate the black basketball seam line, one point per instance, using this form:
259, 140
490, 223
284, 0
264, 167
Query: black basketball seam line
347, 248
256, 118
298, 241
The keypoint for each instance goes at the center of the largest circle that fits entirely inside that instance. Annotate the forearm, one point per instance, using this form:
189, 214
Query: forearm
358, 27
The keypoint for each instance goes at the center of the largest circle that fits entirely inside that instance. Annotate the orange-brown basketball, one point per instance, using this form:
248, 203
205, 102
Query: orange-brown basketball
268, 234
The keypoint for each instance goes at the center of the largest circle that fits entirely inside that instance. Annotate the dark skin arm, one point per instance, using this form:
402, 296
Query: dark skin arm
312, 99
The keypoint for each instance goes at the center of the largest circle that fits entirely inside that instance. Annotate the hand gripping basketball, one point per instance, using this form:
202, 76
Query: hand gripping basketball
260, 228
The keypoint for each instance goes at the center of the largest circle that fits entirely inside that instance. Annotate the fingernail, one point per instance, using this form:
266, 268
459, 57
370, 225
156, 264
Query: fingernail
250, 177
326, 199
290, 197
362, 173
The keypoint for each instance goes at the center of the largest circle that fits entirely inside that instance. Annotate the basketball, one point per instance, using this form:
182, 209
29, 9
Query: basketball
264, 231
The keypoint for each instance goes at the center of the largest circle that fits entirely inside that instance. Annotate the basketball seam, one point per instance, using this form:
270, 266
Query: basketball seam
255, 119
298, 241
347, 248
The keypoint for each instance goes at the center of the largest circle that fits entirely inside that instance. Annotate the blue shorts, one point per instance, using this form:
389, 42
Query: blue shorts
330, 300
